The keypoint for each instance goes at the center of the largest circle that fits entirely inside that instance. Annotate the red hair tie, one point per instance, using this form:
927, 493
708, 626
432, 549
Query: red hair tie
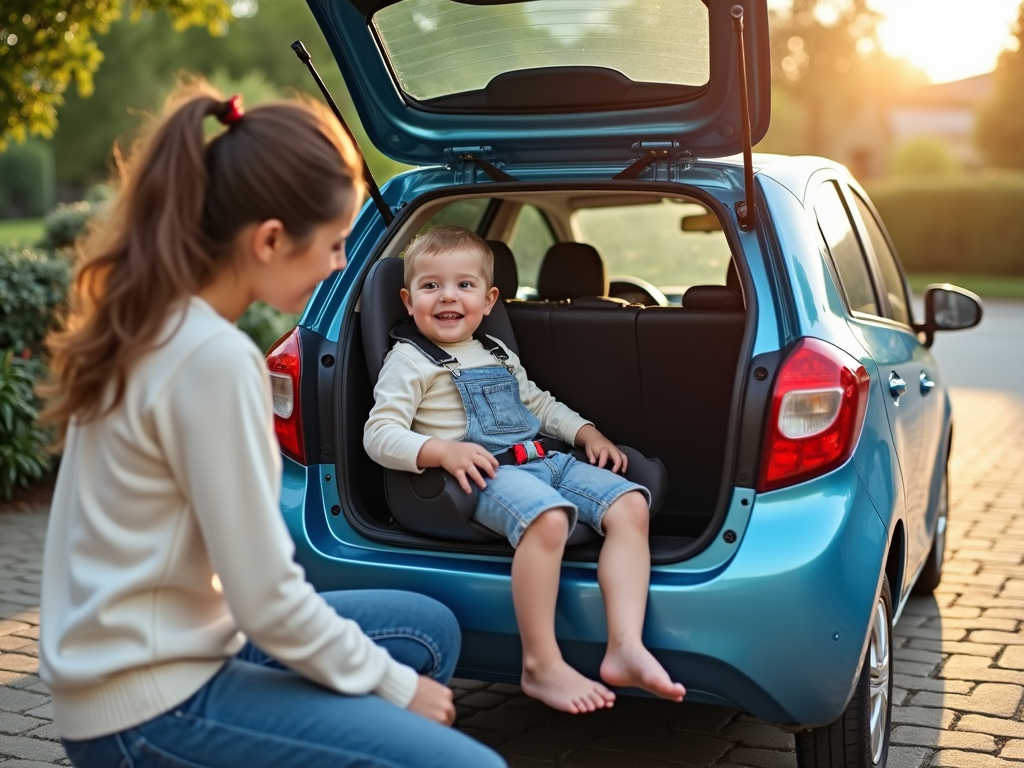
231, 111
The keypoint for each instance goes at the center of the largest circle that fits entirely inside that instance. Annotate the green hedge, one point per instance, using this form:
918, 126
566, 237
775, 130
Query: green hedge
958, 223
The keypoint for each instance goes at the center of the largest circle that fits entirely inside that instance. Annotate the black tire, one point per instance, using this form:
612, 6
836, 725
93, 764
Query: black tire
931, 574
860, 737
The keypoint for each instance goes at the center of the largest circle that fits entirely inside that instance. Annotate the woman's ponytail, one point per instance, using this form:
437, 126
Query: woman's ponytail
173, 225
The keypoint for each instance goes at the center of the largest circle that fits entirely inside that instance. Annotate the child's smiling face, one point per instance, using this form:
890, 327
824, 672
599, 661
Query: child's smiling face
448, 295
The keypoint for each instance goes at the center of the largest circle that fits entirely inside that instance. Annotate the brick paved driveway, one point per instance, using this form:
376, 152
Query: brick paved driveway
959, 656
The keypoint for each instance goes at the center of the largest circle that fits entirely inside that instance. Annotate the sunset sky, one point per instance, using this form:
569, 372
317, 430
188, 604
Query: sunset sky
948, 39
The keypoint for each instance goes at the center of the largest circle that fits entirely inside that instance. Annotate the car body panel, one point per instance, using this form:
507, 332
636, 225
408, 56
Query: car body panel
795, 572
707, 125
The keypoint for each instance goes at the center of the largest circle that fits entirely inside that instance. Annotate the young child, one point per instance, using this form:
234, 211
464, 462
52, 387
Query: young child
165, 540
426, 416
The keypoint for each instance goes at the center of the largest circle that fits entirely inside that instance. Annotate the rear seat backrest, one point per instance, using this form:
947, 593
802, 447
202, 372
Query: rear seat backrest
688, 363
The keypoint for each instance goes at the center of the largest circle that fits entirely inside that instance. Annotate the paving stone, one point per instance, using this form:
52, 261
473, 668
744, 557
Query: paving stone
763, 758
974, 649
688, 748
490, 738
13, 700
545, 743
31, 749
1013, 657
996, 726
907, 757
932, 684
469, 685
1013, 750
917, 655
17, 662
998, 638
758, 734
987, 698
8, 627
610, 721
953, 758
978, 668
588, 757
13, 643
934, 718
46, 711
1001, 625
15, 724
913, 668
30, 763
936, 737
511, 690
47, 731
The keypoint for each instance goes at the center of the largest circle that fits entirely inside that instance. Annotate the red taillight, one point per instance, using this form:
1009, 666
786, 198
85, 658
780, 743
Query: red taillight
817, 413
283, 362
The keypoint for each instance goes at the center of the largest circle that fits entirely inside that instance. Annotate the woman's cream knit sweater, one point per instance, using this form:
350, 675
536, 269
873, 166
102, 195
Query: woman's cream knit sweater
166, 547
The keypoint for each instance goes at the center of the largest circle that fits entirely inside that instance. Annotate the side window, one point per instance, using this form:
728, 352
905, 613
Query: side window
837, 229
894, 285
531, 238
461, 213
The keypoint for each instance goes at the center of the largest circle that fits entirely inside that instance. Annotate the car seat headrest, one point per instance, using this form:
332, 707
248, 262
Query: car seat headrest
381, 309
711, 297
571, 270
506, 274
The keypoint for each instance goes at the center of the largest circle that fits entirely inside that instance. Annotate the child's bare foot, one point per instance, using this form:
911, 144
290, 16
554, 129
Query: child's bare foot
561, 687
633, 666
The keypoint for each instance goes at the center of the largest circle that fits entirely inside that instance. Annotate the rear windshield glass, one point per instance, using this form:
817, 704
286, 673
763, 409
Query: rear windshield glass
441, 47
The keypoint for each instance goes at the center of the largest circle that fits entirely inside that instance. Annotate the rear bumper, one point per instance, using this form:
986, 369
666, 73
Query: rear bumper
778, 630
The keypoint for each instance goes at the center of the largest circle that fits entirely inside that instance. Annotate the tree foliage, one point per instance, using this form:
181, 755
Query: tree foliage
130, 84
46, 45
1000, 125
825, 55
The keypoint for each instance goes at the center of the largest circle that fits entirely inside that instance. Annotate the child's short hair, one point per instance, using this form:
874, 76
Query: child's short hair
448, 237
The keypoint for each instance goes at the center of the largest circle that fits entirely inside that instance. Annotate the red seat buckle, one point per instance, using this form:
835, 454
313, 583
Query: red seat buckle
526, 452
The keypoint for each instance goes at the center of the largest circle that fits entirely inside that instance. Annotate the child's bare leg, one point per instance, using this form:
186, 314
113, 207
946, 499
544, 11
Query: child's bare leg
535, 572
624, 573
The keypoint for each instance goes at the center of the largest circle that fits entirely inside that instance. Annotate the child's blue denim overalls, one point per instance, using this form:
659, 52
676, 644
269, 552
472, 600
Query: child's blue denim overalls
497, 419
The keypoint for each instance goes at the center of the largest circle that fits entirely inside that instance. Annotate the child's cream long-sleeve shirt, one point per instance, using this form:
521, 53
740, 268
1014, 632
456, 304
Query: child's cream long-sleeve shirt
166, 544
416, 400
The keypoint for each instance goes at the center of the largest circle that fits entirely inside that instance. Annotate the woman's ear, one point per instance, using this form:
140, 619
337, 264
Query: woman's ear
492, 296
406, 299
268, 239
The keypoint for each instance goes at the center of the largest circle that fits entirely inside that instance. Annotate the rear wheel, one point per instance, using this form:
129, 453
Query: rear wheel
860, 737
931, 574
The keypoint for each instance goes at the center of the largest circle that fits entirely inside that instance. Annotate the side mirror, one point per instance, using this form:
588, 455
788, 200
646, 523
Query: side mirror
948, 308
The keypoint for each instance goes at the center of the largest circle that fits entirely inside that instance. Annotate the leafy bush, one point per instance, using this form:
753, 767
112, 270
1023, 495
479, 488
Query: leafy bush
265, 325
955, 223
924, 155
65, 223
27, 180
33, 295
23, 456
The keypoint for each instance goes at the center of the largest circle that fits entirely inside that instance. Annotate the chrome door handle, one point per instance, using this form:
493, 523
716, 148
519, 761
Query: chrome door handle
897, 387
927, 385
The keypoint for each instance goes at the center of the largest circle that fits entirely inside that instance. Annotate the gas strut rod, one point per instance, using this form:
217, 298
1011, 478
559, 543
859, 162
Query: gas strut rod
371, 185
745, 209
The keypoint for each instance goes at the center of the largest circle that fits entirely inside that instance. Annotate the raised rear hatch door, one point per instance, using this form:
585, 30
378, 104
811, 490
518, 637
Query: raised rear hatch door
550, 81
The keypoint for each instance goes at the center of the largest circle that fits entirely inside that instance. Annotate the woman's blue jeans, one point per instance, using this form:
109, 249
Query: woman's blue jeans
256, 713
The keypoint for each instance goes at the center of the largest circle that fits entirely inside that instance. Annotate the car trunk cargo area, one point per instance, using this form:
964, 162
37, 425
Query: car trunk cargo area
659, 378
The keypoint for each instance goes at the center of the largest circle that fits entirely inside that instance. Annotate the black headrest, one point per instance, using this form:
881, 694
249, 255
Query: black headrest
381, 309
711, 297
570, 270
506, 274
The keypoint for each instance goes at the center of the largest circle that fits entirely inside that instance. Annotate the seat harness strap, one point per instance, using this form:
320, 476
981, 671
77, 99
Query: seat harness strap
407, 332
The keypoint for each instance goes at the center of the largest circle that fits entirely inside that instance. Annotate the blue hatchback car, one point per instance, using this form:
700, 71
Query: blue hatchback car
742, 319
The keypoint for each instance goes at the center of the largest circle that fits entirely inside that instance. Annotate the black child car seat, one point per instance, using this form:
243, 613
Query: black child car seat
432, 503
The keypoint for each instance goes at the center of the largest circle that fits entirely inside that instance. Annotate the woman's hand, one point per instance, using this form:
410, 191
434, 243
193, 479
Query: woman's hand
600, 450
433, 701
465, 461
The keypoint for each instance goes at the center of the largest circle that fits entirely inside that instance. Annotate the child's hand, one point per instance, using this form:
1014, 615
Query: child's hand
600, 450
465, 461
